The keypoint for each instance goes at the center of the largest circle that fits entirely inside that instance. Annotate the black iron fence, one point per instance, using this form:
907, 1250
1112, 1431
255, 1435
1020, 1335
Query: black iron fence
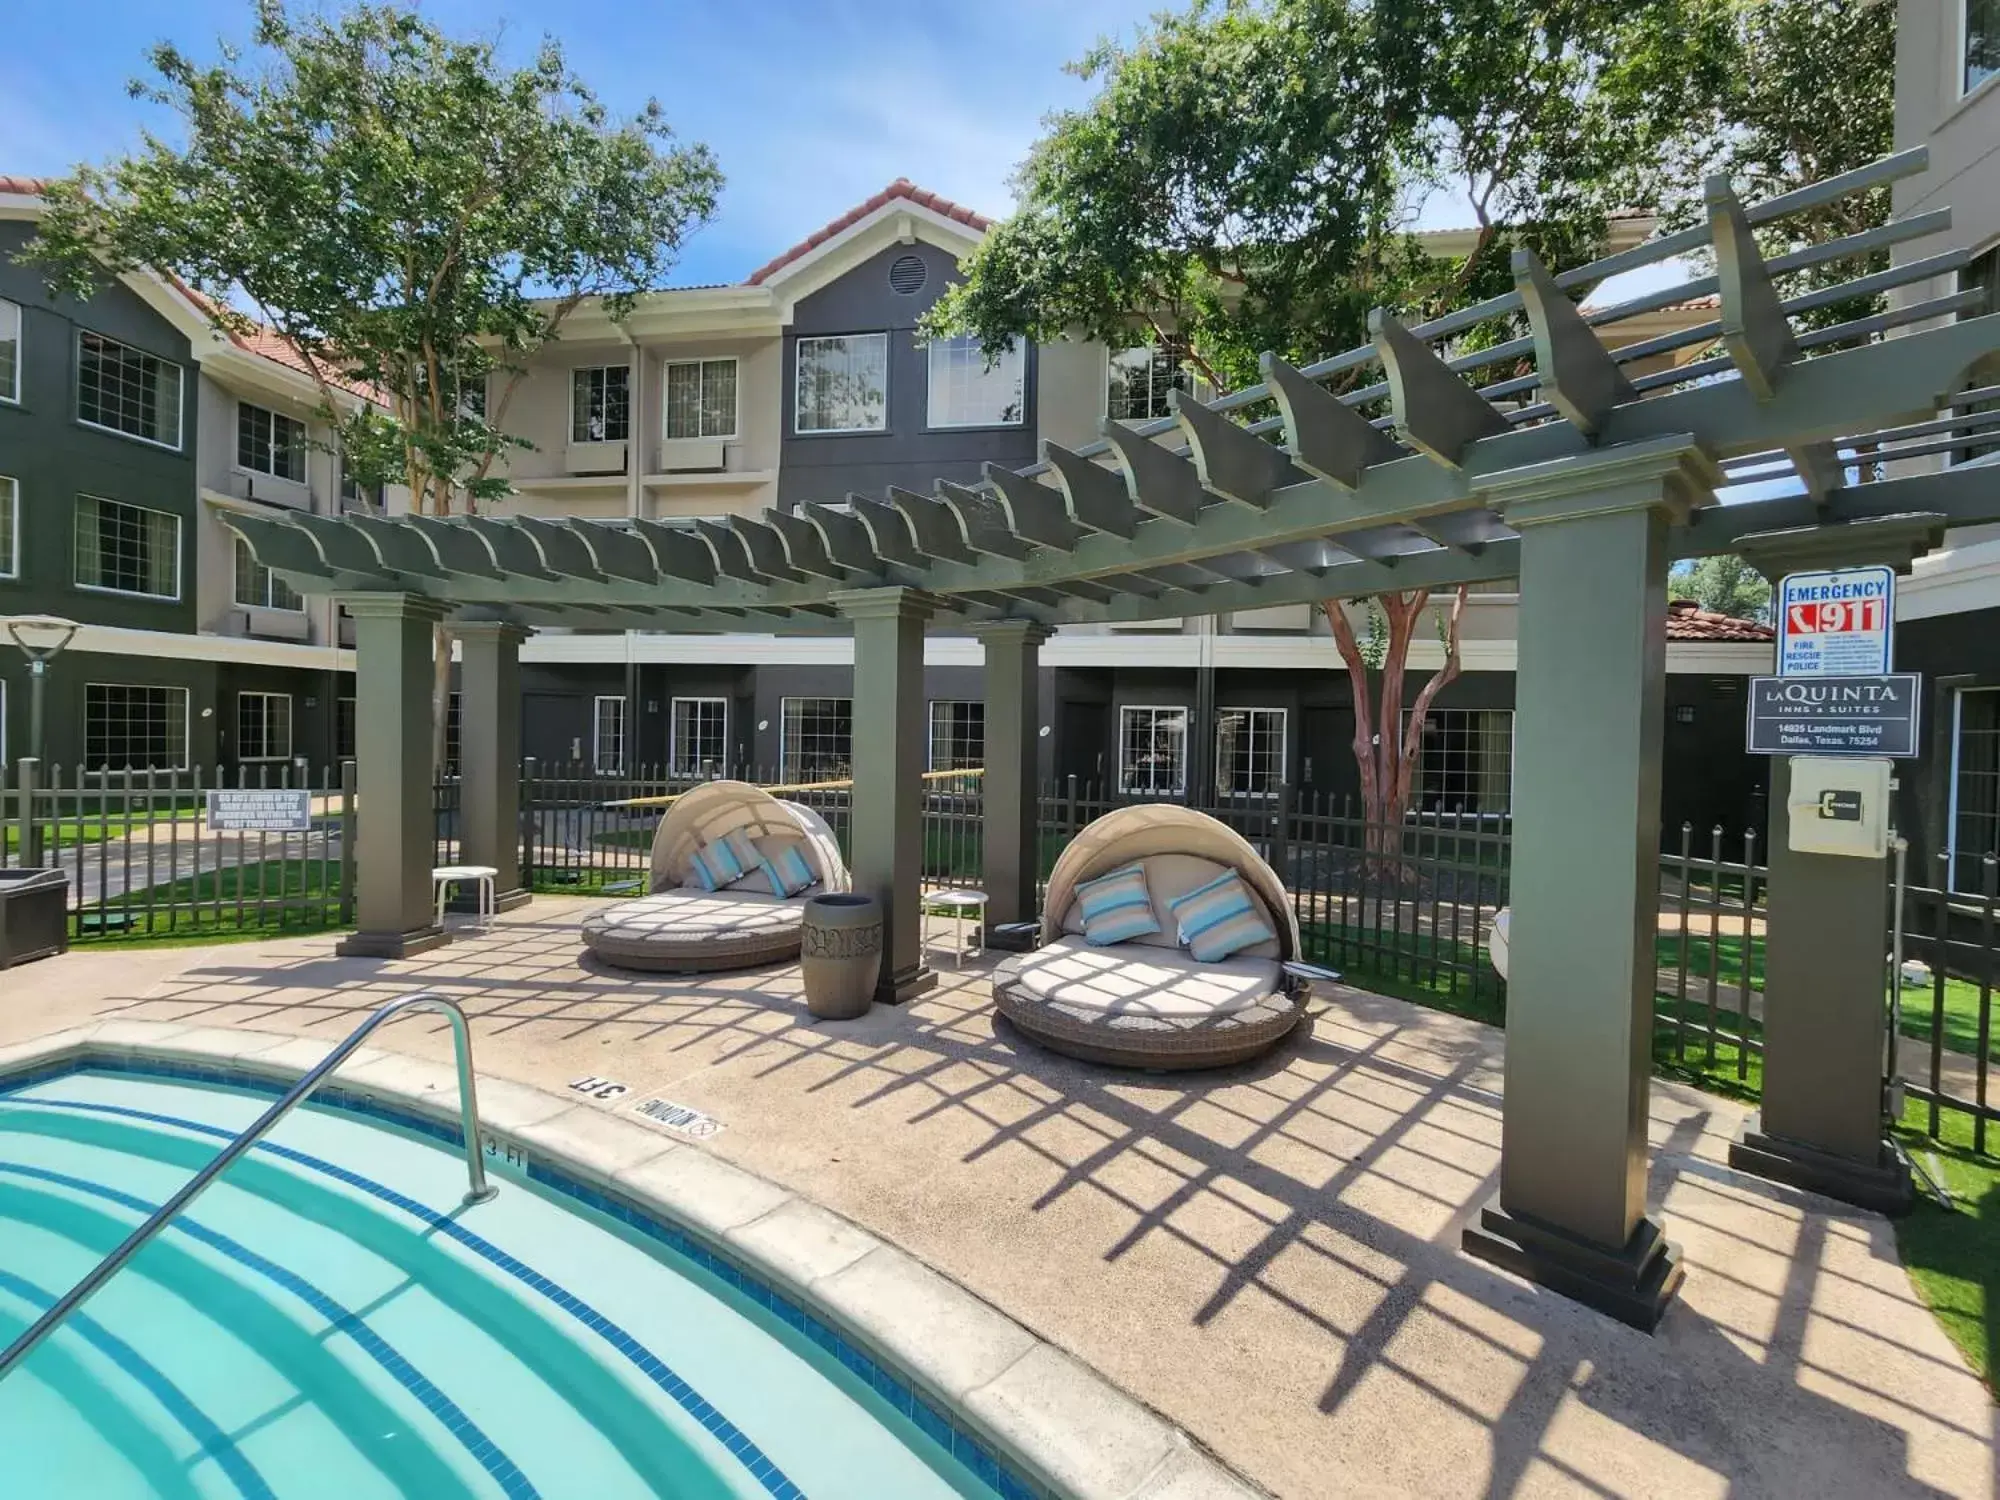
144, 858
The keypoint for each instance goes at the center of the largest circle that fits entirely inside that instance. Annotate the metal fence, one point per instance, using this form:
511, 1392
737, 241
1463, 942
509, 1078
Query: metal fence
144, 861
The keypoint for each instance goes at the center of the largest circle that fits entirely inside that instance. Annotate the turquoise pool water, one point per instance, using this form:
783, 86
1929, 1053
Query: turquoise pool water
328, 1321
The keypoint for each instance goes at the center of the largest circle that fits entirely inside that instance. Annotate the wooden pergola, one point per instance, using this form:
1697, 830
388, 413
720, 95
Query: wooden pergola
1585, 477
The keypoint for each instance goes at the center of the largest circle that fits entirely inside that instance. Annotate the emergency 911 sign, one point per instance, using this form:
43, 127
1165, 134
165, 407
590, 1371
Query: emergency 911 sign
1836, 624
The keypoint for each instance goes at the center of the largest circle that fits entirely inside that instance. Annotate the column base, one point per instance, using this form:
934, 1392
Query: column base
1884, 1184
1633, 1285
907, 984
392, 944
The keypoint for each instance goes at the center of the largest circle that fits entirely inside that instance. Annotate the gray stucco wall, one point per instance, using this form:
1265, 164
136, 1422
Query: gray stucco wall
910, 453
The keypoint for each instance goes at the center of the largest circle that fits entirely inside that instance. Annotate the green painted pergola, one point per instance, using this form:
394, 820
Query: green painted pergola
1584, 478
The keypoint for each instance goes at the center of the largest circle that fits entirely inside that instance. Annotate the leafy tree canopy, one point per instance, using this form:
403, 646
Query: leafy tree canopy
404, 209
1726, 584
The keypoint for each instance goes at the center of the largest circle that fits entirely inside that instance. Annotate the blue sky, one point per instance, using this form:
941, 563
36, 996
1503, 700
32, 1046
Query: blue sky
811, 105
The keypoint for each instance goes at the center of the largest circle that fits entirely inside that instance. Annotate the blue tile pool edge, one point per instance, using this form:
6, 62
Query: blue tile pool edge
936, 1422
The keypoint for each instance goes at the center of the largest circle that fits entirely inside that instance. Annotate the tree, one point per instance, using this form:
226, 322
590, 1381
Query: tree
1245, 180
1725, 584
405, 211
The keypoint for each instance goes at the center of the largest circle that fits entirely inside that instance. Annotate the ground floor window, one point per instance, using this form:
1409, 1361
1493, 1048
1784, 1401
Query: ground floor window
816, 739
958, 734
453, 719
1466, 764
698, 742
263, 726
1249, 751
1975, 786
607, 736
1152, 751
130, 726
343, 728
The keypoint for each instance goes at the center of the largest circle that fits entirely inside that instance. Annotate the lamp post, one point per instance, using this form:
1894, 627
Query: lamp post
41, 639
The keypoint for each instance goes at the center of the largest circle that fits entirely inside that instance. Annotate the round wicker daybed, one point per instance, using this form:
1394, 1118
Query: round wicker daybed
683, 929
1147, 1002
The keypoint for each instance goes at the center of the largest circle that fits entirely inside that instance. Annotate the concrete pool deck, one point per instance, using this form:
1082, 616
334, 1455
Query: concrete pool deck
1267, 1256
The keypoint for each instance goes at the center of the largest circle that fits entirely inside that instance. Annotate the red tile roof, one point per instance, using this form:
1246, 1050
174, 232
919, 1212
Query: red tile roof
32, 187
902, 187
1688, 621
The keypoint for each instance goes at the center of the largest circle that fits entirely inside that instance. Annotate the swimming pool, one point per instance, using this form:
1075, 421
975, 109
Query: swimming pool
327, 1320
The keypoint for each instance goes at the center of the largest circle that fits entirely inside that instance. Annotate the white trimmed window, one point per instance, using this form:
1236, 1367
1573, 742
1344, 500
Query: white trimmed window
1466, 764
344, 719
127, 549
698, 737
257, 587
1973, 827
134, 725
816, 739
958, 734
968, 390
263, 726
600, 406
700, 399
1982, 42
123, 389
842, 384
10, 527
1249, 751
10, 351
269, 442
1152, 751
1139, 379
607, 735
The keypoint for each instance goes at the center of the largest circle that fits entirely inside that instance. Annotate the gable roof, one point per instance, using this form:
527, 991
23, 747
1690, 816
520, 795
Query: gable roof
1688, 621
901, 188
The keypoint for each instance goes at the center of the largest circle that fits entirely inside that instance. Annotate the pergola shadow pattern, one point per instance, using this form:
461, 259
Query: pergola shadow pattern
1201, 513
1266, 1254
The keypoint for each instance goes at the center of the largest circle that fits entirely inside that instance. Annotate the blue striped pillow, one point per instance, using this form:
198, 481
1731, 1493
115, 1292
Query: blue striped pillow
787, 868
723, 861
1115, 907
1220, 918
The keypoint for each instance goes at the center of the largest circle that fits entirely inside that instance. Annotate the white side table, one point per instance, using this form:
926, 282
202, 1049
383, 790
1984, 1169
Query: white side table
481, 877
961, 907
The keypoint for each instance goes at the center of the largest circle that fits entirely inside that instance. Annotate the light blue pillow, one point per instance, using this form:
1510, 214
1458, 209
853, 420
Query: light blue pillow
785, 865
723, 861
1116, 907
1220, 918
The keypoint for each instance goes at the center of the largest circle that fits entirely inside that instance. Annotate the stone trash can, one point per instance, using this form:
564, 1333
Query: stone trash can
840, 949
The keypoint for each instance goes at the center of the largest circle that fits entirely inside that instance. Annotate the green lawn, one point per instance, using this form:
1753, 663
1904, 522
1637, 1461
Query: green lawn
94, 829
251, 900
1953, 1253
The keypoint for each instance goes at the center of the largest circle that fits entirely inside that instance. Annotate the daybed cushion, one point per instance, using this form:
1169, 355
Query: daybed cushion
1132, 979
693, 929
1168, 878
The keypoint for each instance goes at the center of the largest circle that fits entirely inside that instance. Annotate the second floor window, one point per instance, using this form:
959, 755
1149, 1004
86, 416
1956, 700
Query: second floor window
10, 351
969, 391
127, 390
10, 528
127, 549
600, 408
1139, 380
843, 384
257, 587
270, 443
355, 495
1982, 41
701, 399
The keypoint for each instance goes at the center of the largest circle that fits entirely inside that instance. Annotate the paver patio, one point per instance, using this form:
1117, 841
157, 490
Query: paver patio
1267, 1255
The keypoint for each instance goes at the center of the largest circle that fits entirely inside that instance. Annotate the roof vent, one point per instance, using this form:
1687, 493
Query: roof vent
907, 274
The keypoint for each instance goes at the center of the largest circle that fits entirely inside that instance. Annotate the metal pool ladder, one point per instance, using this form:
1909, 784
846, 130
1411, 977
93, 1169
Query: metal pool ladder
478, 1189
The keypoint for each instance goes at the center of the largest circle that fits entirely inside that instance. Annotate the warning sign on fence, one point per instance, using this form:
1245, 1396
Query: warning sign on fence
261, 810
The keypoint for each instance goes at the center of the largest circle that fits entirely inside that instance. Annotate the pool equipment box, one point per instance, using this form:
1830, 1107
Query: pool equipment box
1839, 806
1873, 715
1837, 624
261, 809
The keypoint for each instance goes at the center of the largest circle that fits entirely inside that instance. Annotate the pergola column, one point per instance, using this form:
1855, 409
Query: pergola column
1821, 1123
1590, 698
396, 828
1008, 813
886, 818
489, 756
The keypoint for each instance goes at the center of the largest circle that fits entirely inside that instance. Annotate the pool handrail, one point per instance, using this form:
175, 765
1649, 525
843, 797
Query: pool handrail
478, 1190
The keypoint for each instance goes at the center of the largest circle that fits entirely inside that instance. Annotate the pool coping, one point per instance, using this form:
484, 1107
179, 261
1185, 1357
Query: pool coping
1054, 1420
